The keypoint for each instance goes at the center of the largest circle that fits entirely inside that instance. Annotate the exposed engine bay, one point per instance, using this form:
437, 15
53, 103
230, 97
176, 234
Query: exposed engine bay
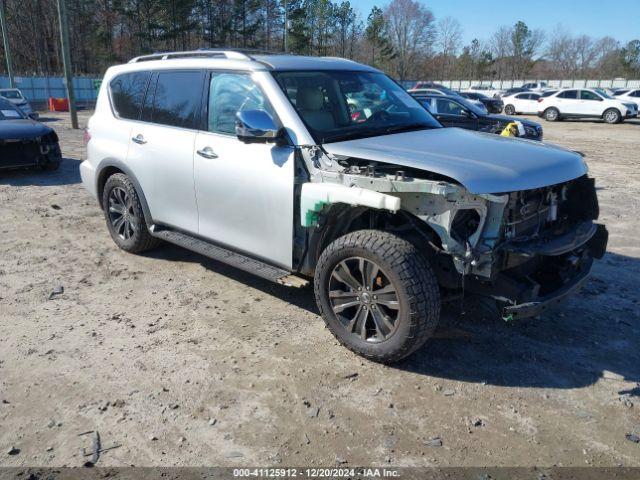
522, 248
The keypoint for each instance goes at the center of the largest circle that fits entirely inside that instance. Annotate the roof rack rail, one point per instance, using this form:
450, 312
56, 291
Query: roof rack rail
229, 54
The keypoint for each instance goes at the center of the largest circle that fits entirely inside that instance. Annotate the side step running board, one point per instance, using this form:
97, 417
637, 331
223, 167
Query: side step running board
242, 262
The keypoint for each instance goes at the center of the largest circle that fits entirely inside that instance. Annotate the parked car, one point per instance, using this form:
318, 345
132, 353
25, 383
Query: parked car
538, 87
256, 161
487, 90
456, 112
491, 104
525, 102
585, 103
446, 92
25, 142
629, 96
16, 97
511, 91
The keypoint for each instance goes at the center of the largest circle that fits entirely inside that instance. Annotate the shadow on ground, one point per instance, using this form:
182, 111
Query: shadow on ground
67, 174
569, 347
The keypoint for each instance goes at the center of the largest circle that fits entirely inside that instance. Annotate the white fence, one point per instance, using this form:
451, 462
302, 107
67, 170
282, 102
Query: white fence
504, 84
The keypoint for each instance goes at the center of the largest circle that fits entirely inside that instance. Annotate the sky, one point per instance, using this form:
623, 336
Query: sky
619, 19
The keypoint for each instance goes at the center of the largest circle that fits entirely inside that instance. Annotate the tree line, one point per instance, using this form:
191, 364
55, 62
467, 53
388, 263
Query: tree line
402, 37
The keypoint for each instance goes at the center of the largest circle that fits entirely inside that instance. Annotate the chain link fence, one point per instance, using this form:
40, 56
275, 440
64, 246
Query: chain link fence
38, 89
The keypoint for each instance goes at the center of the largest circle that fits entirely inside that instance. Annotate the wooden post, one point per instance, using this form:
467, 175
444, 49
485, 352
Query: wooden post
66, 61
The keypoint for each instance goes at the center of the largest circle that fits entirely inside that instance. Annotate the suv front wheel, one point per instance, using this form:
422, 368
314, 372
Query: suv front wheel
124, 215
612, 116
377, 294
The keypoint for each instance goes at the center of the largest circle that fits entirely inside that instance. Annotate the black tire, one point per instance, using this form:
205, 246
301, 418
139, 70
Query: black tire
551, 114
51, 166
403, 269
612, 116
510, 110
134, 236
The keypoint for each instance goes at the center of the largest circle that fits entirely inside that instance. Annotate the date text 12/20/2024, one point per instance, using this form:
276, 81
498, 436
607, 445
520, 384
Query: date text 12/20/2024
315, 473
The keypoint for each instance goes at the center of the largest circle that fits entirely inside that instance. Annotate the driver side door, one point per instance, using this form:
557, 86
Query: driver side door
244, 191
453, 114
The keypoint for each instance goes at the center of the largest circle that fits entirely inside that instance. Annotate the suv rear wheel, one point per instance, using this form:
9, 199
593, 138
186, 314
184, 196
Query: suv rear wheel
377, 294
551, 114
124, 215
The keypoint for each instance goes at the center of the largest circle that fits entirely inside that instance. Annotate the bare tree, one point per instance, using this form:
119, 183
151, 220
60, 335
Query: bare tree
412, 33
448, 40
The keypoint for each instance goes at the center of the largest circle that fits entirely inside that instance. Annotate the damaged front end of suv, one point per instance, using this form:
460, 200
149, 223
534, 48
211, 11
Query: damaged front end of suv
528, 247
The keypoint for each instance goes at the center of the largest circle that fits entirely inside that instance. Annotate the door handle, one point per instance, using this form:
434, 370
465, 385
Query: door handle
139, 139
207, 152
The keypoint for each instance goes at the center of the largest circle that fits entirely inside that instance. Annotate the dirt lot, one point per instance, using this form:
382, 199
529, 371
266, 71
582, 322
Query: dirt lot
182, 361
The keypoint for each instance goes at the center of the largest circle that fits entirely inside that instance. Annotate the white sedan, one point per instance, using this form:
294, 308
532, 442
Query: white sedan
631, 95
523, 102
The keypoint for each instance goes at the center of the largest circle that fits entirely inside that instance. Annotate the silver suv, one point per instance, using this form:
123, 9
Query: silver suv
303, 169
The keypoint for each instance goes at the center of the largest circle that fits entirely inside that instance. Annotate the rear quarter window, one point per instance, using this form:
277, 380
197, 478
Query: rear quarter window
127, 93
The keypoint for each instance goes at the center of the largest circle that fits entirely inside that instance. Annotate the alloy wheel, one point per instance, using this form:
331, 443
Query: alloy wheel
364, 299
121, 214
611, 116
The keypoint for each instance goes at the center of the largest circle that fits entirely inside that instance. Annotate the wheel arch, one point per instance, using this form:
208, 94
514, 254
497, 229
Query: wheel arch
341, 219
109, 167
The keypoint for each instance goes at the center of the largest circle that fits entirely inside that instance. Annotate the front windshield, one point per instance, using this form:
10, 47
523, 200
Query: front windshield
343, 105
602, 93
8, 111
474, 107
12, 94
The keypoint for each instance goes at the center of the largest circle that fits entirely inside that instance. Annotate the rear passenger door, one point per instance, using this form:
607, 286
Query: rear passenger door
244, 191
568, 103
162, 146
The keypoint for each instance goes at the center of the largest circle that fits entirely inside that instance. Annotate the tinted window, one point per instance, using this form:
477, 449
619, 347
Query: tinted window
177, 99
127, 93
523, 96
587, 95
534, 96
230, 93
568, 94
636, 93
449, 107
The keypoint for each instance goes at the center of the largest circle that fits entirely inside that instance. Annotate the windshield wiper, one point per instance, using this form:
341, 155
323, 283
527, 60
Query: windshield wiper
407, 127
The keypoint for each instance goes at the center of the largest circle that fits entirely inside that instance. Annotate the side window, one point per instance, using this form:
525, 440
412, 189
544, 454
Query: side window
534, 96
230, 93
569, 94
588, 95
127, 93
636, 94
448, 107
523, 96
177, 99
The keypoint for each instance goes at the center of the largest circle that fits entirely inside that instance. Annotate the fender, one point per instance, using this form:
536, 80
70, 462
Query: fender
112, 163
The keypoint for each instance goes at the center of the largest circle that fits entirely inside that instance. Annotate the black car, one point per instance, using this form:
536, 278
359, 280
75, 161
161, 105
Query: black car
513, 90
456, 112
25, 142
493, 105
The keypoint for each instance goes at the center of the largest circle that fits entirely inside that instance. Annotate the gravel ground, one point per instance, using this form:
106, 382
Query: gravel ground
178, 360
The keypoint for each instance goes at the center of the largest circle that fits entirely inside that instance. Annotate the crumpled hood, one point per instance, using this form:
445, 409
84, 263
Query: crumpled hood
22, 128
482, 162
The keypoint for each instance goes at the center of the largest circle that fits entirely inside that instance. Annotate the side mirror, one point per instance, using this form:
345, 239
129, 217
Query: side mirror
257, 126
